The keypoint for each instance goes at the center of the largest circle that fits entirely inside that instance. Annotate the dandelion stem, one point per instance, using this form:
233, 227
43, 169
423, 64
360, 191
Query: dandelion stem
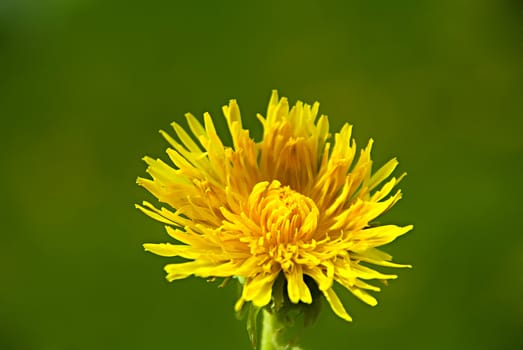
268, 338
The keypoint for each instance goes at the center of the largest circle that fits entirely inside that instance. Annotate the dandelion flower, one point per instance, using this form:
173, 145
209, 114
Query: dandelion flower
294, 205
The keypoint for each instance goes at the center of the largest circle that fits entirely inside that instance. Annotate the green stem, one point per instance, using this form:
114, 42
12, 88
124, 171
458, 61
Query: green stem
272, 331
268, 338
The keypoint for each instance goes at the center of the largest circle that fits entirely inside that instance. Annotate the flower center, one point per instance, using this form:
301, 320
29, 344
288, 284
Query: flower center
287, 222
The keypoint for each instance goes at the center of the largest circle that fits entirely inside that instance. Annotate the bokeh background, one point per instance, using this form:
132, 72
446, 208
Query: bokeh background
86, 84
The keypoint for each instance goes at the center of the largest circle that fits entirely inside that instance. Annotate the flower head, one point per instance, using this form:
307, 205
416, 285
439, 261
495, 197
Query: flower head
293, 205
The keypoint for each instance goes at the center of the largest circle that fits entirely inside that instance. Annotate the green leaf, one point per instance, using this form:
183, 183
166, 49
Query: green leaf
311, 312
252, 325
278, 293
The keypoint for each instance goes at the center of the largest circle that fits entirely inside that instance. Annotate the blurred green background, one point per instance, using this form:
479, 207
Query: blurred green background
86, 84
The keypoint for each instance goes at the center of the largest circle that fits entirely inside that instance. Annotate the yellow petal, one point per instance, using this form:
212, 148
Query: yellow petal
368, 273
183, 236
296, 287
200, 268
259, 289
154, 214
383, 173
196, 128
323, 281
186, 139
364, 296
381, 235
169, 250
336, 304
364, 285
182, 270
376, 257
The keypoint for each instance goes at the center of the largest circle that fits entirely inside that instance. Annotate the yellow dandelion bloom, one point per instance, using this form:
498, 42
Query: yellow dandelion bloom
292, 204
